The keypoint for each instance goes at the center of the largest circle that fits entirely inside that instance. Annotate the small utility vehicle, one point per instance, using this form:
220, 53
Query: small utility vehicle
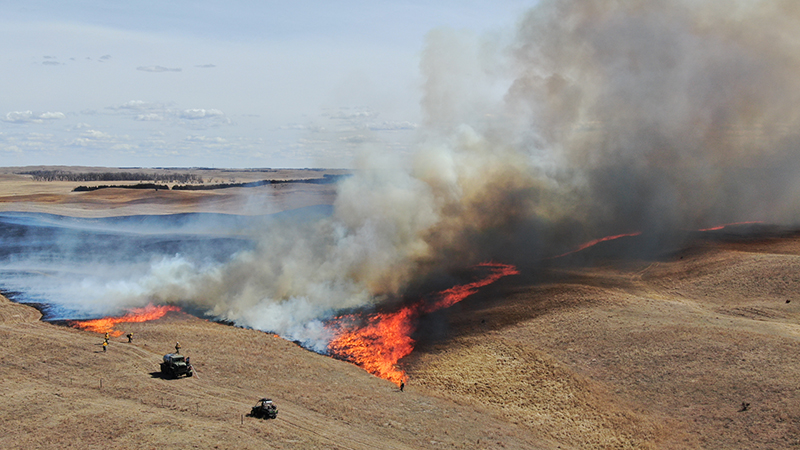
264, 409
175, 365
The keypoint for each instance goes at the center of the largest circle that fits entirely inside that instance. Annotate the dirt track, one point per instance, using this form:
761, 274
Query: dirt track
649, 354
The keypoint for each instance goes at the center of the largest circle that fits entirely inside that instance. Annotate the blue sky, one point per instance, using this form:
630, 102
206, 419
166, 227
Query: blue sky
218, 84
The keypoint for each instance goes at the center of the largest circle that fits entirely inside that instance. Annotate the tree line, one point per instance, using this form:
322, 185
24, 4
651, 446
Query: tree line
326, 179
123, 186
62, 175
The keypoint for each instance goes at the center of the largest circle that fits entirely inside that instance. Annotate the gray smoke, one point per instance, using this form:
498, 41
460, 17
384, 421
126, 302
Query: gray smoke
668, 113
597, 117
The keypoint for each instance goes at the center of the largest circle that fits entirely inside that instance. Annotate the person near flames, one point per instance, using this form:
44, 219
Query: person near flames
130, 337
177, 347
105, 345
402, 386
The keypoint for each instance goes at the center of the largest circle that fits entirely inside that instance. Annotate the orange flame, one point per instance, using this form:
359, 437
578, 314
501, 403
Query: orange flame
377, 346
386, 338
719, 227
592, 243
455, 294
106, 324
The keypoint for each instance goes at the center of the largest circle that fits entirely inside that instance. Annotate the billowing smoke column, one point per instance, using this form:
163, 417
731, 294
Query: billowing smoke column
667, 113
599, 117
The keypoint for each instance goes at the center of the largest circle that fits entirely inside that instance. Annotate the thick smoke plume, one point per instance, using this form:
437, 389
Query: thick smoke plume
667, 113
597, 117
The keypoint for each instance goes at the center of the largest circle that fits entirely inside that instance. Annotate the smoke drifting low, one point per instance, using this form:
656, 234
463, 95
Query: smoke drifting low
595, 117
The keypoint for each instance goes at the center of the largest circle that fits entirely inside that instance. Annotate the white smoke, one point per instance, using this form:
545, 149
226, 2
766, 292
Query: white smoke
598, 117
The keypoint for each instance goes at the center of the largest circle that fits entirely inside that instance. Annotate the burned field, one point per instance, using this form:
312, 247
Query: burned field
658, 353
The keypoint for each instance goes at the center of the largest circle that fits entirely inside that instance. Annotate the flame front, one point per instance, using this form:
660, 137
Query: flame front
720, 227
594, 242
106, 324
455, 294
377, 346
376, 342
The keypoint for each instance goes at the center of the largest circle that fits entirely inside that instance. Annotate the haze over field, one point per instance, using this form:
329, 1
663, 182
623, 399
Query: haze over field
587, 118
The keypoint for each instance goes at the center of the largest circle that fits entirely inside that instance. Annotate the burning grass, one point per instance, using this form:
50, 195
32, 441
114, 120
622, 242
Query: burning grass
594, 242
376, 342
106, 324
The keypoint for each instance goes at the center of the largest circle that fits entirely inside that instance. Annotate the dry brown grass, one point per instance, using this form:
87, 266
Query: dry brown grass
646, 355
60, 390
662, 355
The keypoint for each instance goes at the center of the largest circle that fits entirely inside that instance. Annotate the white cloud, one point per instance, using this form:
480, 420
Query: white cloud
392, 126
39, 137
10, 148
31, 117
306, 141
357, 139
52, 115
200, 113
293, 126
95, 134
195, 118
346, 114
95, 138
158, 69
19, 116
136, 105
150, 117
206, 139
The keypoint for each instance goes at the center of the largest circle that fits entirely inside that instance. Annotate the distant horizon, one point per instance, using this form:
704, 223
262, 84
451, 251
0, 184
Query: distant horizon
241, 169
